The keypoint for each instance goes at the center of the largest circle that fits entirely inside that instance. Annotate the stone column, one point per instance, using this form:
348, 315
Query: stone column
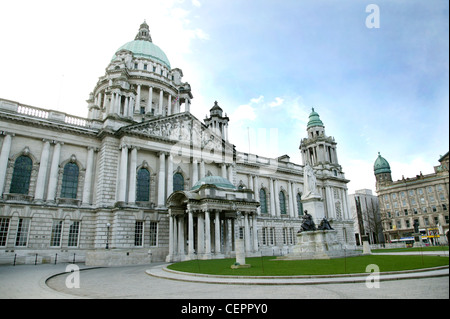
277, 198
138, 98
42, 174
246, 233
4, 158
191, 233
149, 102
217, 233
207, 233
161, 179
132, 186
169, 175
181, 235
224, 170
256, 190
291, 200
160, 110
87, 178
171, 234
272, 201
202, 169
54, 168
194, 172
200, 234
169, 105
123, 174
230, 173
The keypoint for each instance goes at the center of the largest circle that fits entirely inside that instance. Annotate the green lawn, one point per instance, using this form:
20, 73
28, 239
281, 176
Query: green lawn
269, 266
429, 248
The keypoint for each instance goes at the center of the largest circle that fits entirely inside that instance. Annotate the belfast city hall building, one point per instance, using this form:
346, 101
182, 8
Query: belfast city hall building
142, 179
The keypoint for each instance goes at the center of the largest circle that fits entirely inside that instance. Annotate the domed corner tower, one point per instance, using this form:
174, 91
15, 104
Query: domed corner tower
382, 171
217, 122
319, 150
139, 84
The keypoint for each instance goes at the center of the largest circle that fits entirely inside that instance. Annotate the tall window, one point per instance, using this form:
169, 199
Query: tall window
74, 230
139, 233
70, 181
20, 182
22, 232
143, 185
55, 239
4, 226
282, 203
178, 182
263, 201
299, 204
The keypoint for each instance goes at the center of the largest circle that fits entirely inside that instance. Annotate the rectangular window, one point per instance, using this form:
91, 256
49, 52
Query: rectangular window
153, 233
285, 236
272, 236
138, 233
22, 232
74, 230
4, 226
145, 66
264, 236
55, 240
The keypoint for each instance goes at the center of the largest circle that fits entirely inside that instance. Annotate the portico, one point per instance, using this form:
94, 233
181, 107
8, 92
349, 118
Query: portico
204, 222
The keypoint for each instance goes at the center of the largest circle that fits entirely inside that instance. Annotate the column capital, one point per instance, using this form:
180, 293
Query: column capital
7, 133
95, 149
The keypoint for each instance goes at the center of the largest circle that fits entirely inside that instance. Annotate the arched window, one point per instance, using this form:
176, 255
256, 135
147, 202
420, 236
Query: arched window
299, 204
143, 185
70, 181
263, 201
178, 182
20, 182
282, 203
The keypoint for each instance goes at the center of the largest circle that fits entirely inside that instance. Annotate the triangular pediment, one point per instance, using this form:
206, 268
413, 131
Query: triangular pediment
179, 128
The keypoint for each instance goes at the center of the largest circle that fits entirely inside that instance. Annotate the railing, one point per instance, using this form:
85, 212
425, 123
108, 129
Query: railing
37, 259
31, 111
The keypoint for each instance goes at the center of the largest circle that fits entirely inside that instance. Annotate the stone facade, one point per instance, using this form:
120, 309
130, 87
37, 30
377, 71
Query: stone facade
138, 145
423, 198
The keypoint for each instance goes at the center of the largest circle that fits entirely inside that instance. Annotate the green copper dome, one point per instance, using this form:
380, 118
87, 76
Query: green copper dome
145, 49
314, 119
381, 165
214, 180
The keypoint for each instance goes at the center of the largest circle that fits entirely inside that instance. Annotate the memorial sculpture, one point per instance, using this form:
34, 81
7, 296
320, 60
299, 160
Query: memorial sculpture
308, 223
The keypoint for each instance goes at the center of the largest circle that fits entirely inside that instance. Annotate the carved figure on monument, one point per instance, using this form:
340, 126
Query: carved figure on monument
308, 223
310, 182
325, 225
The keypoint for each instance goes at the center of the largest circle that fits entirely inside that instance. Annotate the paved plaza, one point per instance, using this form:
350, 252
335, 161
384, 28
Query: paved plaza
152, 282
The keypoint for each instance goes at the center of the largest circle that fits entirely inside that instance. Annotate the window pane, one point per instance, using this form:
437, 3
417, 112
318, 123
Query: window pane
299, 205
4, 226
143, 185
70, 181
20, 182
74, 230
178, 182
153, 233
282, 203
263, 201
138, 233
56, 233
22, 232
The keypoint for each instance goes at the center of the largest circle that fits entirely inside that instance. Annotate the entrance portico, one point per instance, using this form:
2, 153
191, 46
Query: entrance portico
204, 222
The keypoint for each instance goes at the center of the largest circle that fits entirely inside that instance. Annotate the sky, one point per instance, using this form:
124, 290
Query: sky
377, 75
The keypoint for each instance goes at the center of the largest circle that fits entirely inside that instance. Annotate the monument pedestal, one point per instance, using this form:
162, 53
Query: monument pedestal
240, 255
314, 206
318, 244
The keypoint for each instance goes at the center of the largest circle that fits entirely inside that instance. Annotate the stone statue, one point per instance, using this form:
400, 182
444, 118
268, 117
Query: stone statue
325, 225
308, 223
309, 181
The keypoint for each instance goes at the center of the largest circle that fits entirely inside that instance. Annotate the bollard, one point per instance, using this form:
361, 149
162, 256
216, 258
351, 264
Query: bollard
56, 258
15, 255
73, 258
35, 260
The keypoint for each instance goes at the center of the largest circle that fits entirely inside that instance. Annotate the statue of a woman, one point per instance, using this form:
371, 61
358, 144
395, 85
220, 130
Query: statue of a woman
310, 181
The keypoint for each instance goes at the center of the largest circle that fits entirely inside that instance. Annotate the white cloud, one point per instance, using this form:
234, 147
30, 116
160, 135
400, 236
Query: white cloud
244, 112
196, 3
257, 100
278, 101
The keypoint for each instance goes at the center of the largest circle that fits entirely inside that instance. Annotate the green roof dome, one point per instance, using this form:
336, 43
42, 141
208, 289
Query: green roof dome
145, 49
217, 181
314, 119
381, 165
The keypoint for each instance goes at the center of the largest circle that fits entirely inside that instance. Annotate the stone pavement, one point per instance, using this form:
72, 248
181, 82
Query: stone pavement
151, 282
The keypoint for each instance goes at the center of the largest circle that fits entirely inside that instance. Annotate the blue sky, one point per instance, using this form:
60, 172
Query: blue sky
267, 63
